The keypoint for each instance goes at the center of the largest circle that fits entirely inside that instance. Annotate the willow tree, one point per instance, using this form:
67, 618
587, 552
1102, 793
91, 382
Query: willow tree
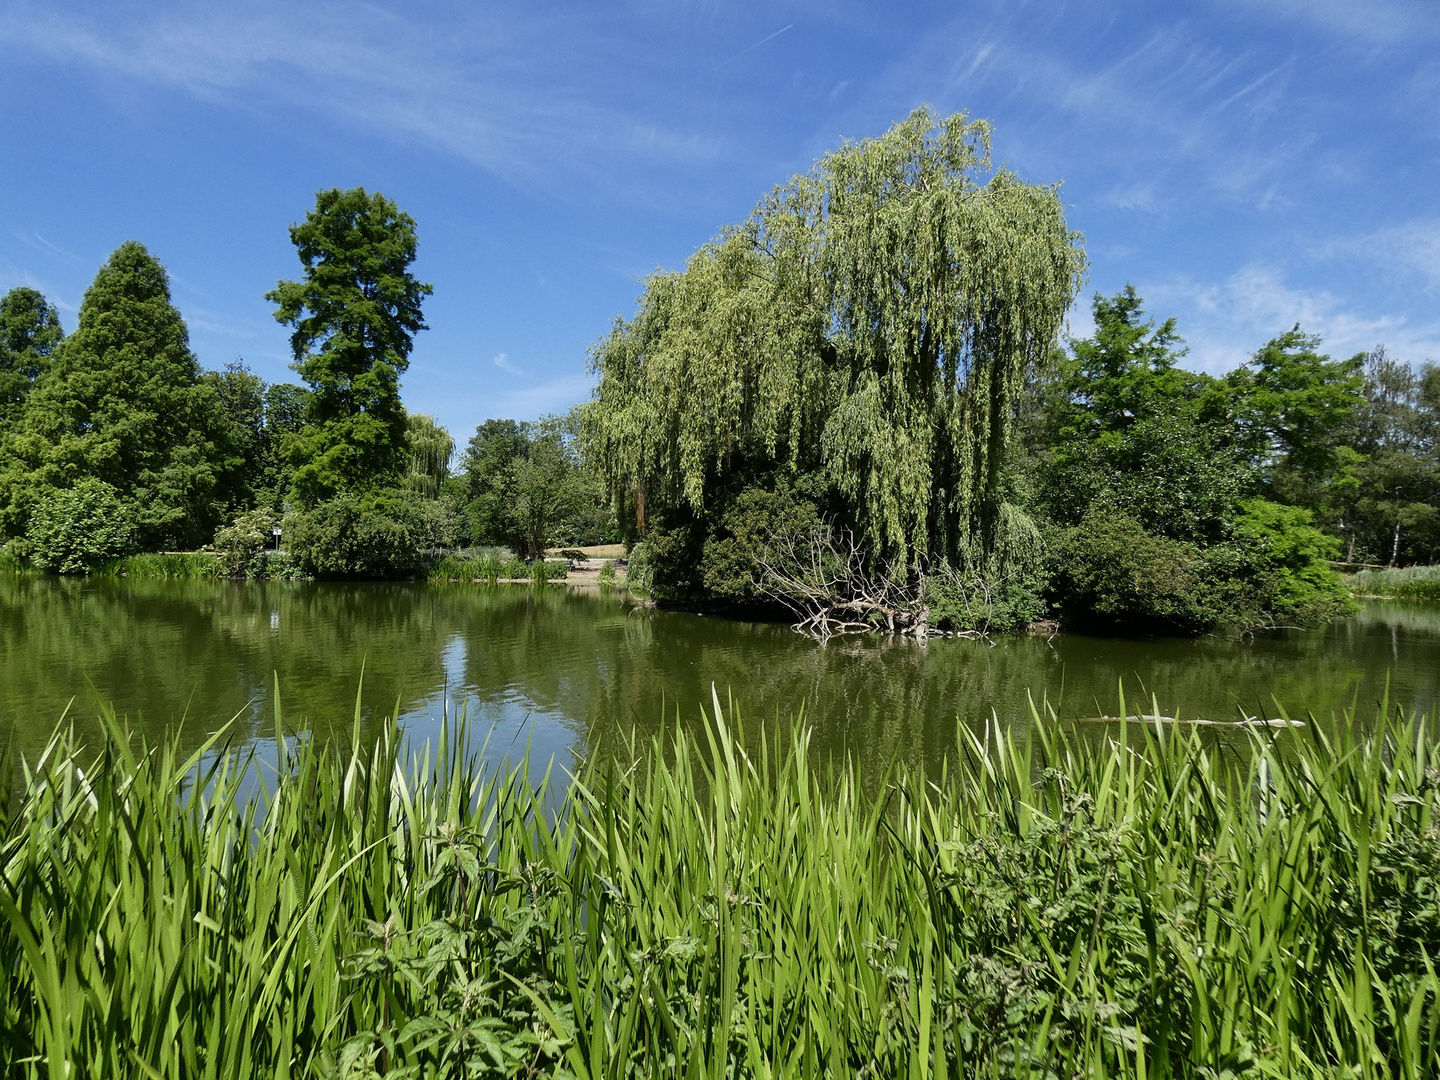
874, 317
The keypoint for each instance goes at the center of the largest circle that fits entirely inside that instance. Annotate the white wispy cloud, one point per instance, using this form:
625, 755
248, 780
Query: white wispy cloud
502, 94
1225, 322
553, 395
504, 363
1407, 252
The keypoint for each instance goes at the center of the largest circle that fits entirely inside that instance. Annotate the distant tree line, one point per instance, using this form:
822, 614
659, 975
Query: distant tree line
113, 439
854, 405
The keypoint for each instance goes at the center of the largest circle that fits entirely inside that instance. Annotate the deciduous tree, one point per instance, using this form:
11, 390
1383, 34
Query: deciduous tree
355, 313
874, 317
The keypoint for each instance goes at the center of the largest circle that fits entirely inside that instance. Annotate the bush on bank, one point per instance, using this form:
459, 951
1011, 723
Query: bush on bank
1135, 906
74, 529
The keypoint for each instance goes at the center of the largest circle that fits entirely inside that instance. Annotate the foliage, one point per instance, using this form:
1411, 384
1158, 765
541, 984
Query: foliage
29, 331
1394, 510
1296, 411
430, 448
607, 574
121, 400
242, 543
369, 534
1111, 570
1135, 905
491, 568
529, 489
1412, 582
873, 318
1123, 430
74, 530
746, 535
970, 601
1288, 563
355, 315
172, 565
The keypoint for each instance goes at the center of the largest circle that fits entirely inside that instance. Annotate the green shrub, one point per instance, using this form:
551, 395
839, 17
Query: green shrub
74, 530
242, 543
373, 534
1285, 577
1110, 570
970, 602
1272, 572
10, 560
607, 574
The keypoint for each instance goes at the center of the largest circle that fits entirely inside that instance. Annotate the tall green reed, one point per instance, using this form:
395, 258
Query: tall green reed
1143, 905
490, 568
1410, 582
165, 564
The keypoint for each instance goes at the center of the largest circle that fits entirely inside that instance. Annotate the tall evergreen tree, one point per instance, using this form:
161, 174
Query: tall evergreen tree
355, 314
29, 332
122, 400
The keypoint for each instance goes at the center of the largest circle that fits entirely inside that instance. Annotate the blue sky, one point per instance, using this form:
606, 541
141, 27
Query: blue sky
1245, 164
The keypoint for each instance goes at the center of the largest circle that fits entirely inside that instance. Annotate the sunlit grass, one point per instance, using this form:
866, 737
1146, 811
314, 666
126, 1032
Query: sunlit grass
1142, 905
490, 567
165, 564
1412, 582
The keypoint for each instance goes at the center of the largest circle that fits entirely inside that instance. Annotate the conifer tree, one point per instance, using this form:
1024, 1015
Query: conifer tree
29, 332
355, 314
121, 400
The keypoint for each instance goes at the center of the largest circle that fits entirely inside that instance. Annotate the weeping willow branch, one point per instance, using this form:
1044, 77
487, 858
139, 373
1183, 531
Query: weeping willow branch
874, 318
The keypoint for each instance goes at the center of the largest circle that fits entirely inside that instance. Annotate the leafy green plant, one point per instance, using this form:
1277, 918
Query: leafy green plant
167, 564
242, 543
1110, 902
73, 530
373, 534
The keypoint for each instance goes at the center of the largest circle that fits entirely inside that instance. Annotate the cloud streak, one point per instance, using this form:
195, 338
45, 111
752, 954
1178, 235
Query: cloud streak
476, 93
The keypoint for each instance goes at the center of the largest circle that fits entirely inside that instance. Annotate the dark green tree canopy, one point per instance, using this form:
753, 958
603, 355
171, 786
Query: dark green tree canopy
355, 314
874, 317
29, 332
1127, 432
121, 400
1297, 411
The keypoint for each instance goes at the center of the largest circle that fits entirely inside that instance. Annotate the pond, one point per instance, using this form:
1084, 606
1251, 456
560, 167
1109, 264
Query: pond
565, 670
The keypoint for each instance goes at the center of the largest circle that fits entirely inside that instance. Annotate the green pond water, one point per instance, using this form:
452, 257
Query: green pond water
566, 670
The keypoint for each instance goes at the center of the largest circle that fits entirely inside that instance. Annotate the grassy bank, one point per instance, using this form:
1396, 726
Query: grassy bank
165, 564
1076, 907
492, 568
1411, 582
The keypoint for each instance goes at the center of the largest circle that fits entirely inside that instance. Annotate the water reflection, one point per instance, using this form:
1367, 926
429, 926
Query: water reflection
567, 671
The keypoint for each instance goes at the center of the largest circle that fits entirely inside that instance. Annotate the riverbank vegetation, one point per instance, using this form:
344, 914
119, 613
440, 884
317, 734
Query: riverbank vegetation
856, 406
876, 462
1411, 582
1099, 900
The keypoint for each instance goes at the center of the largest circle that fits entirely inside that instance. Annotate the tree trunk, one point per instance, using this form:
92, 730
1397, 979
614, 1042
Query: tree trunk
1395, 547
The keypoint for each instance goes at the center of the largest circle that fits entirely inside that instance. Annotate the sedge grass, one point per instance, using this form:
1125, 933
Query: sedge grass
1410, 582
166, 564
490, 568
1145, 906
